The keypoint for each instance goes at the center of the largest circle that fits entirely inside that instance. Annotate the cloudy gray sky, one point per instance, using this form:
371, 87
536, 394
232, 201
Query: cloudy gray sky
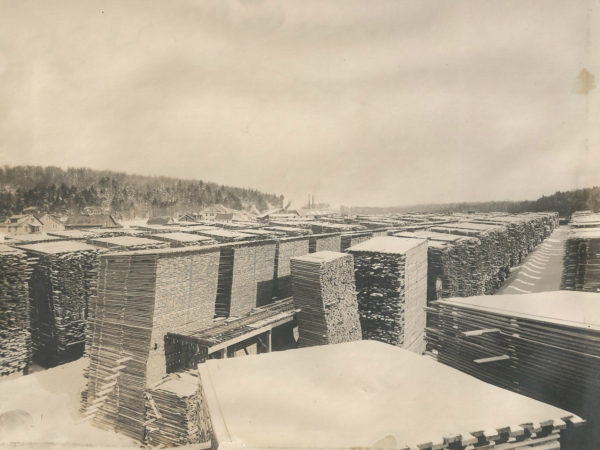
360, 102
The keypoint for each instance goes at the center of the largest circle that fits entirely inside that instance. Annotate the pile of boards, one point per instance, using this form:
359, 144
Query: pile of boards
494, 261
15, 340
544, 345
525, 231
367, 394
354, 238
322, 242
391, 281
142, 295
181, 239
175, 414
451, 264
581, 261
127, 243
62, 280
323, 287
246, 277
287, 248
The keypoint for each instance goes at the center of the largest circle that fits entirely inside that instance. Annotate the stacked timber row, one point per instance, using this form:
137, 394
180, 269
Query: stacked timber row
451, 263
525, 231
287, 248
325, 242
62, 280
180, 239
544, 345
391, 280
127, 243
581, 262
15, 340
175, 414
324, 227
324, 291
289, 231
141, 296
246, 277
494, 260
222, 236
354, 238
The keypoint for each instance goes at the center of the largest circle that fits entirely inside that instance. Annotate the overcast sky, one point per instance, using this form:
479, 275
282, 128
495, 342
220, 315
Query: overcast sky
361, 102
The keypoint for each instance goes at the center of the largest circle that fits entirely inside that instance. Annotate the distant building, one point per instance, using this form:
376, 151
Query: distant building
220, 213
160, 220
93, 221
21, 224
50, 222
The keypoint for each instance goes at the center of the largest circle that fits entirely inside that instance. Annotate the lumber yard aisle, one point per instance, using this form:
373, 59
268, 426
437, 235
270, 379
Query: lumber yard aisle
541, 270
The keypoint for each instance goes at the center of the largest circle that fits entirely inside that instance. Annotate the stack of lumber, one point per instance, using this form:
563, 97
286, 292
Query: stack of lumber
525, 231
62, 280
246, 277
324, 291
325, 227
581, 261
544, 345
180, 239
127, 243
287, 248
114, 232
222, 235
290, 231
585, 220
174, 412
325, 242
494, 259
186, 351
15, 340
74, 235
367, 394
450, 263
391, 280
262, 234
354, 238
142, 295
34, 238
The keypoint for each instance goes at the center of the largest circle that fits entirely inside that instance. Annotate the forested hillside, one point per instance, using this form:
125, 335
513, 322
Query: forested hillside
564, 202
52, 189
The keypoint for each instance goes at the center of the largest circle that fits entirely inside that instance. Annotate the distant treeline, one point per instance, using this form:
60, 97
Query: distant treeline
52, 189
564, 202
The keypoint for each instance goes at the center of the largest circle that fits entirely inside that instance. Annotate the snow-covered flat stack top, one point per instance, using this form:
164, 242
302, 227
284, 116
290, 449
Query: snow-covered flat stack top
183, 237
127, 241
321, 257
74, 234
354, 395
57, 247
387, 244
577, 309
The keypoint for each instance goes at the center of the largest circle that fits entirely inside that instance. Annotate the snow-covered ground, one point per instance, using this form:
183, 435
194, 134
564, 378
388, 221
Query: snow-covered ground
42, 410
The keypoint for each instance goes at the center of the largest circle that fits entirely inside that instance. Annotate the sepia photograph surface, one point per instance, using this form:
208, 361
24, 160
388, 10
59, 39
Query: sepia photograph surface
285, 224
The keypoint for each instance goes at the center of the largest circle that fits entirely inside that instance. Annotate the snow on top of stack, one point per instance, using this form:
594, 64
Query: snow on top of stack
321, 257
387, 244
57, 247
577, 309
